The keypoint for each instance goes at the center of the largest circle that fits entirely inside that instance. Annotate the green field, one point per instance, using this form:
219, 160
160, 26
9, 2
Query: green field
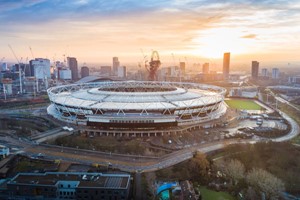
243, 104
210, 194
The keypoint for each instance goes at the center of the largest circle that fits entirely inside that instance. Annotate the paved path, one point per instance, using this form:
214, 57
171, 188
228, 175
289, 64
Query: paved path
140, 164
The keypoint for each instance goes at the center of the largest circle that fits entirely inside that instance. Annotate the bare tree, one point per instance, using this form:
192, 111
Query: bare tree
233, 169
265, 182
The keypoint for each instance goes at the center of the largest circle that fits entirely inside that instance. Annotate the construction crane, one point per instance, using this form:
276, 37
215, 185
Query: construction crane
31, 52
20, 77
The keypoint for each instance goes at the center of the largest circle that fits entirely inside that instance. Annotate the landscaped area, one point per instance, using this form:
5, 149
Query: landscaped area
242, 104
210, 194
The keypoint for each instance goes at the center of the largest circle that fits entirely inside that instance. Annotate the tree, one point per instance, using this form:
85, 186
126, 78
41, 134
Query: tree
265, 182
200, 164
233, 168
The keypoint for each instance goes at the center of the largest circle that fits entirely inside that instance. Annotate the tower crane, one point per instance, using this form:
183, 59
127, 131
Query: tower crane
20, 77
31, 52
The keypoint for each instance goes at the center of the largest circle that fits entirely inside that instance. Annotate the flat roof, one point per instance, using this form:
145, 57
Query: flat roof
94, 180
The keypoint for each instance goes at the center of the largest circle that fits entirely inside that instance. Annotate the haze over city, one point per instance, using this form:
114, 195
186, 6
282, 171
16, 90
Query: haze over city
138, 100
95, 31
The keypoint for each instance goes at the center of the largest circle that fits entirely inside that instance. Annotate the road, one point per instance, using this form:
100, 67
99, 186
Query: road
138, 163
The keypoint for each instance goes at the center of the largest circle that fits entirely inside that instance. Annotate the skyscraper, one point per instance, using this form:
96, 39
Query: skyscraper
205, 68
226, 65
255, 69
264, 72
116, 64
73, 66
275, 73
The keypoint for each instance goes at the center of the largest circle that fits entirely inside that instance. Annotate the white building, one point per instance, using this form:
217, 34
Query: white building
275, 73
4, 151
121, 72
65, 74
41, 68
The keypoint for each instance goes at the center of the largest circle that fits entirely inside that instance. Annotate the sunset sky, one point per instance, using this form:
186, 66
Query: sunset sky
201, 30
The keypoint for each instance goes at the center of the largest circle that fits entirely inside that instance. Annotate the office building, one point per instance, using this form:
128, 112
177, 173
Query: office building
85, 71
121, 72
205, 68
40, 68
7, 84
116, 65
255, 69
4, 67
69, 185
275, 73
294, 80
65, 74
226, 65
264, 72
73, 66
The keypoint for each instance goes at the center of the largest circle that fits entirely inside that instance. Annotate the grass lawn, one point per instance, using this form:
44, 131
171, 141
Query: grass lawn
210, 194
296, 140
243, 104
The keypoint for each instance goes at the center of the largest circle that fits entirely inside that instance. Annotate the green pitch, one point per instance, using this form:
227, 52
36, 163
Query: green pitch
243, 104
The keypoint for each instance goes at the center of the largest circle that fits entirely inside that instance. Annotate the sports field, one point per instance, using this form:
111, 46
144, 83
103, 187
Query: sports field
210, 194
243, 104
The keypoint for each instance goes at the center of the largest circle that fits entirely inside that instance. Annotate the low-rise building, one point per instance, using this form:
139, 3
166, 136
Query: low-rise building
4, 151
69, 185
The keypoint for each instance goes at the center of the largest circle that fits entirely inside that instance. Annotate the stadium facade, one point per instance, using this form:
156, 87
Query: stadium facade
132, 107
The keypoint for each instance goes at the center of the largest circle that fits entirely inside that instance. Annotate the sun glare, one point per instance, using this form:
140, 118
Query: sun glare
214, 42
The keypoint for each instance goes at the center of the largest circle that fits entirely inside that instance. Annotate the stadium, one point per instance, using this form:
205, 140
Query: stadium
136, 108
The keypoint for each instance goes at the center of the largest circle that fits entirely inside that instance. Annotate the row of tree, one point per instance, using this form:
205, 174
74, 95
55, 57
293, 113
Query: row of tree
258, 180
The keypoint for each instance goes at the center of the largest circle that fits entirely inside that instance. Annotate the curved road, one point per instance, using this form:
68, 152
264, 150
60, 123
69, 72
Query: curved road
142, 163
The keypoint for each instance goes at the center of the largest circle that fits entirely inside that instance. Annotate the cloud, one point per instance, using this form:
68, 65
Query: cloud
249, 36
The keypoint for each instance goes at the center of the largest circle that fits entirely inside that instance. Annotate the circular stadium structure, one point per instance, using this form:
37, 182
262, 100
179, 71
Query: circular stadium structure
136, 107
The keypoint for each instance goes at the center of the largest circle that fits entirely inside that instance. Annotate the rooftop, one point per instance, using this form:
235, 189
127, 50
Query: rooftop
116, 181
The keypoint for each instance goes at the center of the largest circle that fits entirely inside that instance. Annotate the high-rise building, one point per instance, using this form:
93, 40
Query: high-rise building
40, 68
264, 72
182, 68
275, 73
116, 64
255, 69
226, 65
85, 71
73, 66
121, 72
4, 67
205, 68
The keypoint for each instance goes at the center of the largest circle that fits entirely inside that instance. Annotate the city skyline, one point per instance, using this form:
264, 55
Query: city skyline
95, 31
